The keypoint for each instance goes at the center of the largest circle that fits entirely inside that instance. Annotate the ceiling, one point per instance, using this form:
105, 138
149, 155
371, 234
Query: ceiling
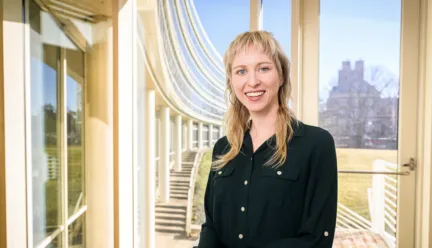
87, 10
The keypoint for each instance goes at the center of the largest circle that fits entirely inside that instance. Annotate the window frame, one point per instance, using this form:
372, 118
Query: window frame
64, 71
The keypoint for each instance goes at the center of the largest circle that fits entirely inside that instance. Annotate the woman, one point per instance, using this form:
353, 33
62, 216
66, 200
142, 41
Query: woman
274, 179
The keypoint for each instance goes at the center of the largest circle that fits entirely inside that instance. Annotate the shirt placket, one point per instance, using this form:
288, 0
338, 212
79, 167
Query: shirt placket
244, 206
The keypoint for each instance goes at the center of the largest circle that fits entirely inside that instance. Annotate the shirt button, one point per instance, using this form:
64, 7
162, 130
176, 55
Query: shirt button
245, 182
242, 209
251, 158
326, 233
220, 172
279, 173
240, 236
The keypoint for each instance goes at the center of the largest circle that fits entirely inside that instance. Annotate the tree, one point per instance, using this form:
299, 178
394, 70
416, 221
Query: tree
383, 80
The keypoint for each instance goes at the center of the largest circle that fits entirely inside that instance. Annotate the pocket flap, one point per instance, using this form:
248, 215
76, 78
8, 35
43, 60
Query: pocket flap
289, 173
224, 172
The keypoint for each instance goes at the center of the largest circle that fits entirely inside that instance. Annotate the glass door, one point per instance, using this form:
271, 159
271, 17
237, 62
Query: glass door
359, 74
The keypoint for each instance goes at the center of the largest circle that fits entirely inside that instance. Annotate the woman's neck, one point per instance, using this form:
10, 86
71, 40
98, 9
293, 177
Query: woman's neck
263, 125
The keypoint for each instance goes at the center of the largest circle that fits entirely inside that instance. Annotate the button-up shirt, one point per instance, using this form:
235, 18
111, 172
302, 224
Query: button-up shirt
249, 205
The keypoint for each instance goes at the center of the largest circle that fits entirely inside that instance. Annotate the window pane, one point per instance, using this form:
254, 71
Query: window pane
277, 20
223, 20
77, 233
56, 243
359, 95
45, 132
75, 116
359, 72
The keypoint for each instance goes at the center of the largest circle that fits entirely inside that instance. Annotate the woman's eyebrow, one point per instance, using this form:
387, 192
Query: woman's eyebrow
260, 63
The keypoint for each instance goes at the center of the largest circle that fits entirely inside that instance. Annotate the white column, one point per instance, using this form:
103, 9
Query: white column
256, 16
210, 136
124, 20
150, 172
200, 135
221, 132
178, 144
13, 207
164, 164
99, 140
190, 135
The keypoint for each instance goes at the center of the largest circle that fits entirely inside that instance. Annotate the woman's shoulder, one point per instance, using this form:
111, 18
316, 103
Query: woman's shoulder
317, 135
221, 145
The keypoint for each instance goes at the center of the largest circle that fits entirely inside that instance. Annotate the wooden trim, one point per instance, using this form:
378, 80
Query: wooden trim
3, 231
309, 67
424, 171
296, 58
115, 65
255, 18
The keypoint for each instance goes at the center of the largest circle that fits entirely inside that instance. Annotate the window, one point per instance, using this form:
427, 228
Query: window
57, 135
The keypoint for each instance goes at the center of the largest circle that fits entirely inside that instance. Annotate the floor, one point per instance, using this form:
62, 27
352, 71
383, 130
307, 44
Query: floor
358, 239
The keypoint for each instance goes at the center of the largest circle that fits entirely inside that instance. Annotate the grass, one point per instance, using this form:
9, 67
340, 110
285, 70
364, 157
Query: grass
52, 197
198, 215
352, 187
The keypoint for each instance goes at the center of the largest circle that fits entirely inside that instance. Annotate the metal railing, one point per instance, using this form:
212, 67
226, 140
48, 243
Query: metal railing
382, 200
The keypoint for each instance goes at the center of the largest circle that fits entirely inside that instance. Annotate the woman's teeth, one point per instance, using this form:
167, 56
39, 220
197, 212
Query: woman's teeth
258, 93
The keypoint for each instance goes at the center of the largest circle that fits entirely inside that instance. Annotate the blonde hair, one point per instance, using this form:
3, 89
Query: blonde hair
237, 118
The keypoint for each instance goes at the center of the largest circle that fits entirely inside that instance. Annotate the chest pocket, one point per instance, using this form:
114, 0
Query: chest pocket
277, 184
222, 183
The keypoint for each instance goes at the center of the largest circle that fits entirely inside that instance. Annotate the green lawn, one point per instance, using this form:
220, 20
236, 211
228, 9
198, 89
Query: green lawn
198, 216
352, 187
75, 184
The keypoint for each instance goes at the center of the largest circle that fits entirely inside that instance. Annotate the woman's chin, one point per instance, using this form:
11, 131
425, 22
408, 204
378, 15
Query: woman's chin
256, 109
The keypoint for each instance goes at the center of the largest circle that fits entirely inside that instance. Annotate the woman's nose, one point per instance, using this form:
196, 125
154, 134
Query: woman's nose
252, 80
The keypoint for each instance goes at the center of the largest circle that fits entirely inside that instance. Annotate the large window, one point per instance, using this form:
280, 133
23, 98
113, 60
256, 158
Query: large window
57, 135
359, 57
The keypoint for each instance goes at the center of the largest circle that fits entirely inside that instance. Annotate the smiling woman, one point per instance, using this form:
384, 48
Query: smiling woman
254, 179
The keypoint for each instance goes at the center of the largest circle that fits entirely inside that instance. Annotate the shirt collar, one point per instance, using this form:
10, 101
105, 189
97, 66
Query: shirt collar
297, 126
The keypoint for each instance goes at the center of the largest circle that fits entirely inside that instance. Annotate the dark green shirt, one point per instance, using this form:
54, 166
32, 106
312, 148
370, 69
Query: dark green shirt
248, 205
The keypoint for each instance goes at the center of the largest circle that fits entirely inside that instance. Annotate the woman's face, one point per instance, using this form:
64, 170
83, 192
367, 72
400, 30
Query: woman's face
255, 80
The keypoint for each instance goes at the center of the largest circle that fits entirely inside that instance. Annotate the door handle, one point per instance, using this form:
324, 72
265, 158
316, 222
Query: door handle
411, 165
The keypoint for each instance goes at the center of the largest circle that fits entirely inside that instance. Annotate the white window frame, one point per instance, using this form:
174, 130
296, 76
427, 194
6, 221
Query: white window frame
305, 45
66, 221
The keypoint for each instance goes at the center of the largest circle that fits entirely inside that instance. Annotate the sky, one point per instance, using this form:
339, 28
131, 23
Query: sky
351, 30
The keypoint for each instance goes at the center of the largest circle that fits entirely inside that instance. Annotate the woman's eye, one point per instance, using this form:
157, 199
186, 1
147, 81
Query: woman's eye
241, 72
264, 69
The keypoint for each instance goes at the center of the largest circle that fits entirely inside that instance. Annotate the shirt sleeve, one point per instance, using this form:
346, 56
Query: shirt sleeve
319, 215
208, 235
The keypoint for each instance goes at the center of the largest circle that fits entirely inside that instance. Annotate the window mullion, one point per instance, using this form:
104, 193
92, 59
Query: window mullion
309, 62
63, 144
